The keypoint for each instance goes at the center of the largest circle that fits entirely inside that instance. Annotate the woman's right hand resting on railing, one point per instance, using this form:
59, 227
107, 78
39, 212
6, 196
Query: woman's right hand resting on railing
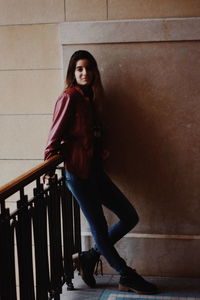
46, 178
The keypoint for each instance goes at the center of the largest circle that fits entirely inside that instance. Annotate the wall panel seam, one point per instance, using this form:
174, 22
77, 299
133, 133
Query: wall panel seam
42, 69
65, 14
107, 9
154, 236
29, 24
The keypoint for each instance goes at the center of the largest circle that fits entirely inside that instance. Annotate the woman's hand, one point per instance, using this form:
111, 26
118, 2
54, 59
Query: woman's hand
46, 178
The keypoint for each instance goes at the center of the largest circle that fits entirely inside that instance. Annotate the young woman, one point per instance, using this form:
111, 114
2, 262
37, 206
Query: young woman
76, 134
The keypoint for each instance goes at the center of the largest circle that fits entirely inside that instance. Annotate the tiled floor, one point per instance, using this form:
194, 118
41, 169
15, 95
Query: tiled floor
167, 286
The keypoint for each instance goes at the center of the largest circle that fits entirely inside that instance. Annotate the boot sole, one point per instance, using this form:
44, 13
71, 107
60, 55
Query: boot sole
124, 288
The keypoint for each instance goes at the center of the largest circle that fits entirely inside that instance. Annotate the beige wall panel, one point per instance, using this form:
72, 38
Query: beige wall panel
27, 11
29, 91
29, 47
160, 257
156, 257
10, 169
153, 89
24, 136
165, 257
134, 9
85, 10
11, 205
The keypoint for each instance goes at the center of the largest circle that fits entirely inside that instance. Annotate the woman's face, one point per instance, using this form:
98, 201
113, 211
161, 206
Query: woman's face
83, 72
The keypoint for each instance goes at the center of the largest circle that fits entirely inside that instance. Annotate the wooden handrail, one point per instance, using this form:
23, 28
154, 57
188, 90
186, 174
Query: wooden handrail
26, 178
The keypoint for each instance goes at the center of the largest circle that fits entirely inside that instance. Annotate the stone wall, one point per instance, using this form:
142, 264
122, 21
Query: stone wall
150, 70
150, 73
31, 64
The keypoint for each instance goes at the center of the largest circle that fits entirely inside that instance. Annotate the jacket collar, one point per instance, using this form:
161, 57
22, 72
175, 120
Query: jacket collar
81, 91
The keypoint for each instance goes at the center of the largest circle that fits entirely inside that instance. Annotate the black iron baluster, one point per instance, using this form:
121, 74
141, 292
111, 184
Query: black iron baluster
68, 242
53, 263
40, 242
24, 247
7, 258
77, 226
56, 267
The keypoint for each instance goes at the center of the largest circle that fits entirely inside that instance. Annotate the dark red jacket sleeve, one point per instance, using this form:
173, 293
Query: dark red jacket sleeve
59, 126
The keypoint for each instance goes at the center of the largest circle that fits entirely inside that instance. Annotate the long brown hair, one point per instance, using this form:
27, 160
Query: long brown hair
70, 77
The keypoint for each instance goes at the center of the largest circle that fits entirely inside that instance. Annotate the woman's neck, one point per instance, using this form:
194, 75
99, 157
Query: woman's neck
87, 90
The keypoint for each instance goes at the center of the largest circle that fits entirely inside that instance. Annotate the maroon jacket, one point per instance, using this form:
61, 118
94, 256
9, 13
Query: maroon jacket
71, 133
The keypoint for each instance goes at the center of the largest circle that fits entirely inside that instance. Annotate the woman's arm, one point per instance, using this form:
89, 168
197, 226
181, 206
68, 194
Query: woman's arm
59, 126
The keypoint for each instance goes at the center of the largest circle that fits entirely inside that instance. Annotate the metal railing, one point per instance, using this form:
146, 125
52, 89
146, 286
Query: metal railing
38, 238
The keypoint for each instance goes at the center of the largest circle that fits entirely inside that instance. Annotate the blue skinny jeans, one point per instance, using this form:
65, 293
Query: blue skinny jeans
91, 194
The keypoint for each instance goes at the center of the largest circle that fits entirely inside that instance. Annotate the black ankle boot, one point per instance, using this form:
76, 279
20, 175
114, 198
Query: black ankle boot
85, 263
131, 281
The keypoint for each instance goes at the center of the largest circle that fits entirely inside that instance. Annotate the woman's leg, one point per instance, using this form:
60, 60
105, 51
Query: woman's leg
114, 200
88, 196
